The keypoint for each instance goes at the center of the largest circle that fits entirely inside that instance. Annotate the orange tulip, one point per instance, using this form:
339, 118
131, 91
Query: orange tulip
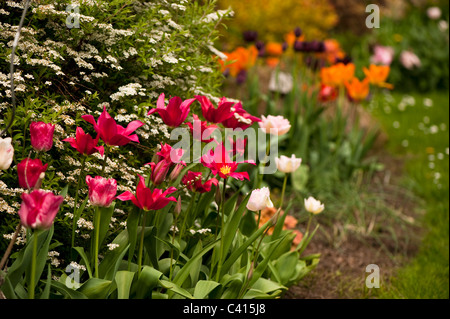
274, 49
337, 75
378, 75
239, 60
358, 90
290, 38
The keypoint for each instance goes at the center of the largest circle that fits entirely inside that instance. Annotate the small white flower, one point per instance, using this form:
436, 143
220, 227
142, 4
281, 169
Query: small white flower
259, 199
314, 206
288, 164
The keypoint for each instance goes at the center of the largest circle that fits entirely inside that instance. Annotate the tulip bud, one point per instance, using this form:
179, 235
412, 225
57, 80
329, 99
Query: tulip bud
41, 136
298, 32
175, 172
288, 165
178, 206
314, 206
6, 153
29, 171
259, 199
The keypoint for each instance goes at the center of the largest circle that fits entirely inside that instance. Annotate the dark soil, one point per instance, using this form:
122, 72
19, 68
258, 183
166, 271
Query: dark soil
341, 272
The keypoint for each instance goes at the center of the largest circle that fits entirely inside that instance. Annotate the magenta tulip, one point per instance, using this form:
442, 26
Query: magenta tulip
39, 208
102, 191
201, 130
216, 115
193, 181
28, 171
42, 136
110, 132
84, 143
148, 199
240, 119
176, 111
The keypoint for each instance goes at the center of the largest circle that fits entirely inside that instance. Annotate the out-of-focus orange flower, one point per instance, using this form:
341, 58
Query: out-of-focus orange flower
333, 51
272, 62
298, 238
290, 38
274, 49
337, 75
378, 74
239, 60
358, 90
290, 222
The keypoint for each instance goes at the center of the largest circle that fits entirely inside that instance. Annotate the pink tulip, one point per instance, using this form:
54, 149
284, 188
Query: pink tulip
148, 199
39, 208
383, 55
84, 143
216, 115
102, 191
410, 60
176, 111
42, 136
276, 125
170, 154
193, 181
110, 132
28, 171
159, 171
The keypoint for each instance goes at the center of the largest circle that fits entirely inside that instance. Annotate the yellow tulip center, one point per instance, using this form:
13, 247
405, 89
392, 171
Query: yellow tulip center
225, 170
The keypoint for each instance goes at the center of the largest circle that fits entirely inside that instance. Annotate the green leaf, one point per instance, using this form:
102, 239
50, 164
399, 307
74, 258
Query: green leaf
46, 293
105, 219
132, 225
67, 292
239, 251
184, 272
110, 264
175, 288
203, 288
80, 251
148, 279
286, 266
124, 279
96, 288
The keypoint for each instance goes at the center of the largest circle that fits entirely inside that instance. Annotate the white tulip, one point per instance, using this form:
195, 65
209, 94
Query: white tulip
259, 199
6, 153
314, 206
288, 164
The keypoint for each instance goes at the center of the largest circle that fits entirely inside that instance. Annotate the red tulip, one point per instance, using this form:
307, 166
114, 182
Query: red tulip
193, 181
171, 155
240, 119
147, 199
216, 115
102, 191
41, 136
28, 171
176, 111
39, 208
327, 93
219, 162
200, 130
110, 132
84, 143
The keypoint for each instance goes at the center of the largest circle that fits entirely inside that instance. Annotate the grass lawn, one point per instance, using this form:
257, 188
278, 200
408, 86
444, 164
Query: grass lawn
418, 130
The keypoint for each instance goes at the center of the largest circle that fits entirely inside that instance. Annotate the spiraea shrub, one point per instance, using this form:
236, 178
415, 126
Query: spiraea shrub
77, 57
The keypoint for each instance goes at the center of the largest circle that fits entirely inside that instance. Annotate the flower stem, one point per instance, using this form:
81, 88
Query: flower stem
141, 244
219, 268
75, 213
33, 266
97, 234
